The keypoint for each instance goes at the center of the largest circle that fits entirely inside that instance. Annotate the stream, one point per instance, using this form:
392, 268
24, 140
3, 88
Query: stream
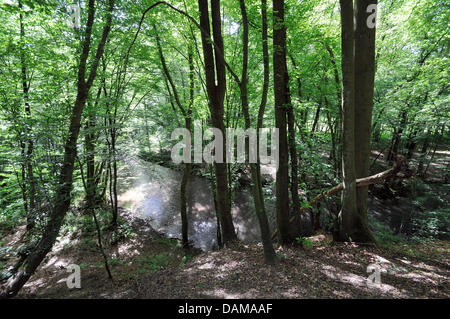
153, 192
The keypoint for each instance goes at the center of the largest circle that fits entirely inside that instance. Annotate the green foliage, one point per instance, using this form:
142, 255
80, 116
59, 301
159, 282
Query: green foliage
303, 241
432, 225
384, 234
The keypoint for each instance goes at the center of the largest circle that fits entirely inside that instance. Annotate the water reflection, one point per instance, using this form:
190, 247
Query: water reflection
153, 192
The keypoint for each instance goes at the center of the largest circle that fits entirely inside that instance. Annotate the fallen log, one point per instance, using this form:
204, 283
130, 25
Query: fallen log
400, 170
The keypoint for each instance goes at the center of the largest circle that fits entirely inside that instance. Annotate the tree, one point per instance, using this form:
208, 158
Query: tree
62, 200
280, 90
214, 64
269, 253
27, 145
358, 73
364, 88
187, 114
348, 214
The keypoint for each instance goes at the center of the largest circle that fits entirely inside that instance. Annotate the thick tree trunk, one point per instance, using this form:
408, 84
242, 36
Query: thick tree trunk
279, 68
348, 215
364, 86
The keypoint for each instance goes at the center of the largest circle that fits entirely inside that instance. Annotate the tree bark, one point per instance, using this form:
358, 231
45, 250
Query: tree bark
364, 86
269, 252
29, 145
316, 119
279, 69
214, 64
293, 154
187, 114
348, 215
396, 138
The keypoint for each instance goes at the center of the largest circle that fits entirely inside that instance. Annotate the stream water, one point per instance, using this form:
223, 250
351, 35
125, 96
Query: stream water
153, 191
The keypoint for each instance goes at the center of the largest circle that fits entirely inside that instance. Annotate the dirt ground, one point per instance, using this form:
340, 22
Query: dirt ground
150, 266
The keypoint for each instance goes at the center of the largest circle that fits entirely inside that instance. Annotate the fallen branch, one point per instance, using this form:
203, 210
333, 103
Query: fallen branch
400, 170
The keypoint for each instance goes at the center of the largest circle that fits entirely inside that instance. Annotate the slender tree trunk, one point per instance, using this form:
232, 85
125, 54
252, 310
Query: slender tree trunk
333, 156
215, 70
412, 144
28, 156
426, 143
316, 119
187, 117
269, 253
437, 139
100, 244
115, 211
90, 156
397, 136
338, 122
265, 87
303, 112
279, 67
293, 156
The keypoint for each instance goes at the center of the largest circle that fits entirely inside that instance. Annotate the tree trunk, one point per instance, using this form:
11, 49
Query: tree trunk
316, 119
187, 114
333, 156
412, 144
293, 155
397, 136
364, 86
28, 155
348, 214
269, 253
91, 186
338, 125
279, 68
215, 66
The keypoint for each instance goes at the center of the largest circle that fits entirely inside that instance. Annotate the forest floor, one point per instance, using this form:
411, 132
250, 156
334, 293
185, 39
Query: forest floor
147, 265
